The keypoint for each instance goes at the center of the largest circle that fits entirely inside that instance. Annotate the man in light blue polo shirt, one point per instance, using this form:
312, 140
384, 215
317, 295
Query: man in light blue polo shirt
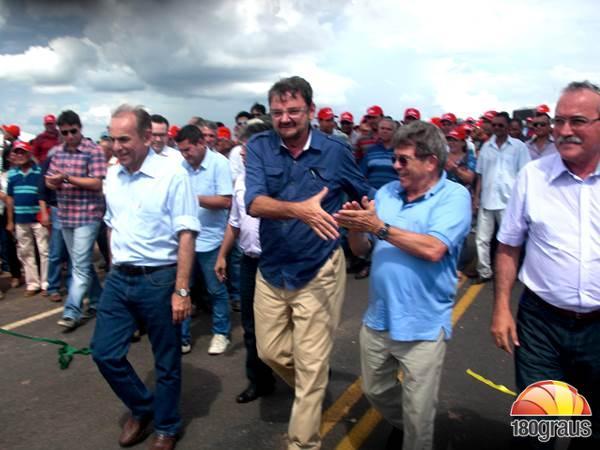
210, 177
420, 223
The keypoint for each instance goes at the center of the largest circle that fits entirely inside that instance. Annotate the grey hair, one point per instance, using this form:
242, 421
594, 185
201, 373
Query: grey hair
142, 118
208, 124
582, 85
426, 138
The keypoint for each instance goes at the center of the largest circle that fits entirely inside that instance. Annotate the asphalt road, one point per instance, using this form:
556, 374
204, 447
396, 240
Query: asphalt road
43, 407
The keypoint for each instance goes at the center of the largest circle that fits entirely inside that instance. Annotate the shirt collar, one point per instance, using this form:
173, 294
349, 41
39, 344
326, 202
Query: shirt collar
314, 141
205, 164
152, 165
558, 168
430, 193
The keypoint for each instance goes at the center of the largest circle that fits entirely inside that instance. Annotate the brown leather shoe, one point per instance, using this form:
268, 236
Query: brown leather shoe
134, 431
162, 442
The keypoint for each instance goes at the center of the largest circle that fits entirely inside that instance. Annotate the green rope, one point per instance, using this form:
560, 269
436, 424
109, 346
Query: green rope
65, 352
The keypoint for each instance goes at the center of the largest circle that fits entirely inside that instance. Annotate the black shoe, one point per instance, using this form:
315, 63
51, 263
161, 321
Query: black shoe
395, 439
88, 314
252, 392
481, 280
363, 273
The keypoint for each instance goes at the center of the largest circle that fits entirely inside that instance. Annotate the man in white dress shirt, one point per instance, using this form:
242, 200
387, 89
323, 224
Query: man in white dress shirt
160, 138
555, 208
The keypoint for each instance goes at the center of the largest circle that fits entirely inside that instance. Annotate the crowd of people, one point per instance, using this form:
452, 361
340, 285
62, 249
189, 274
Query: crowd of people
261, 220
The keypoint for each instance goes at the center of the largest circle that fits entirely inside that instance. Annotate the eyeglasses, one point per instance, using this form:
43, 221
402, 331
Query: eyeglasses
403, 159
241, 124
72, 131
294, 113
20, 151
575, 122
539, 124
160, 135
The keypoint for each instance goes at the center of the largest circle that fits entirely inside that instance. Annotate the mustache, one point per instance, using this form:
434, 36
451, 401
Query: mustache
568, 140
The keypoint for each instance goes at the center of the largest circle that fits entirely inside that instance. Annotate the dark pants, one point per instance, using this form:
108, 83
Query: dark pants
257, 371
555, 347
145, 299
9, 249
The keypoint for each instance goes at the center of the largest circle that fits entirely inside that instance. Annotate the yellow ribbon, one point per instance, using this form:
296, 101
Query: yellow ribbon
498, 387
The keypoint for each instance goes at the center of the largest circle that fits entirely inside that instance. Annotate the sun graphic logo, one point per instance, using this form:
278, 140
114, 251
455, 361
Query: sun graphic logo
551, 398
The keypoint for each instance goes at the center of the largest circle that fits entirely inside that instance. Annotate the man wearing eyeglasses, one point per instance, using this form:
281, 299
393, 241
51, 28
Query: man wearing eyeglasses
295, 177
76, 173
555, 209
500, 159
415, 227
542, 143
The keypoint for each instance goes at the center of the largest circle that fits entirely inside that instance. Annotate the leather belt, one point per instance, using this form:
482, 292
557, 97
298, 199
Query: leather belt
588, 316
129, 269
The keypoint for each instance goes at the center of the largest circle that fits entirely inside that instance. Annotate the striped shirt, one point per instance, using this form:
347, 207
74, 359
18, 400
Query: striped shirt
377, 165
23, 188
77, 206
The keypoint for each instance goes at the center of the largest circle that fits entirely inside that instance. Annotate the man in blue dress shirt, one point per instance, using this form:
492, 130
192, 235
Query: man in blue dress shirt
420, 223
295, 178
152, 220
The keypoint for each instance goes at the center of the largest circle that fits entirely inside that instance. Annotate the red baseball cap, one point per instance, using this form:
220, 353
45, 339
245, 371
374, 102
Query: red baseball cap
375, 111
435, 121
458, 134
325, 114
449, 117
467, 126
412, 112
489, 115
470, 120
50, 118
12, 129
22, 145
223, 133
346, 117
173, 131
542, 109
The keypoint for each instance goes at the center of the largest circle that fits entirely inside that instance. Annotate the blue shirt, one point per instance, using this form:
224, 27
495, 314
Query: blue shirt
146, 210
377, 165
292, 253
469, 161
410, 297
213, 177
24, 189
498, 168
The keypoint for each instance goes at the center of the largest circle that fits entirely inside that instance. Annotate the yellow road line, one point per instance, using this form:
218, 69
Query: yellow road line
341, 407
361, 431
20, 323
367, 423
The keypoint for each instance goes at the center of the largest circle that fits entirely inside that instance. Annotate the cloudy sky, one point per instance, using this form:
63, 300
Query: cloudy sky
213, 58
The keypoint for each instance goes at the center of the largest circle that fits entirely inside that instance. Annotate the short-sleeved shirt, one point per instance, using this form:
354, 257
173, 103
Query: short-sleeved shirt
498, 168
146, 210
292, 253
212, 177
377, 165
23, 187
77, 206
558, 214
410, 297
548, 148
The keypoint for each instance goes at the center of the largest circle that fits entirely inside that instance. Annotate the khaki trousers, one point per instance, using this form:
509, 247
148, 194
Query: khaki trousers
410, 405
26, 233
294, 336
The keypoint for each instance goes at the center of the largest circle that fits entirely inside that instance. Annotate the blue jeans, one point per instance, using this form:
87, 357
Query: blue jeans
554, 347
80, 245
217, 292
127, 302
233, 272
57, 254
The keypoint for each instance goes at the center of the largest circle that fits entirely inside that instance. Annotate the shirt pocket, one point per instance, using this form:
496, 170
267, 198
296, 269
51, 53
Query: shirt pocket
321, 176
274, 179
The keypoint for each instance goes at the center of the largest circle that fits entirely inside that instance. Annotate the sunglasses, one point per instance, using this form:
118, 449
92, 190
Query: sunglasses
20, 151
72, 131
539, 124
403, 160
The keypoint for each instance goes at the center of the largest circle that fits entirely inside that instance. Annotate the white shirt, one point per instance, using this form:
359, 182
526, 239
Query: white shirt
236, 164
171, 153
249, 239
559, 215
498, 168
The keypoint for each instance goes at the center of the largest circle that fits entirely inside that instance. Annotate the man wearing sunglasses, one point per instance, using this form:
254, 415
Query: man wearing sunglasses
554, 210
542, 143
76, 173
416, 226
500, 159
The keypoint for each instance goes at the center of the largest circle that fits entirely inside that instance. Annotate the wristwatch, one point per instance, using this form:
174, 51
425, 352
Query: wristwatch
182, 292
383, 232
